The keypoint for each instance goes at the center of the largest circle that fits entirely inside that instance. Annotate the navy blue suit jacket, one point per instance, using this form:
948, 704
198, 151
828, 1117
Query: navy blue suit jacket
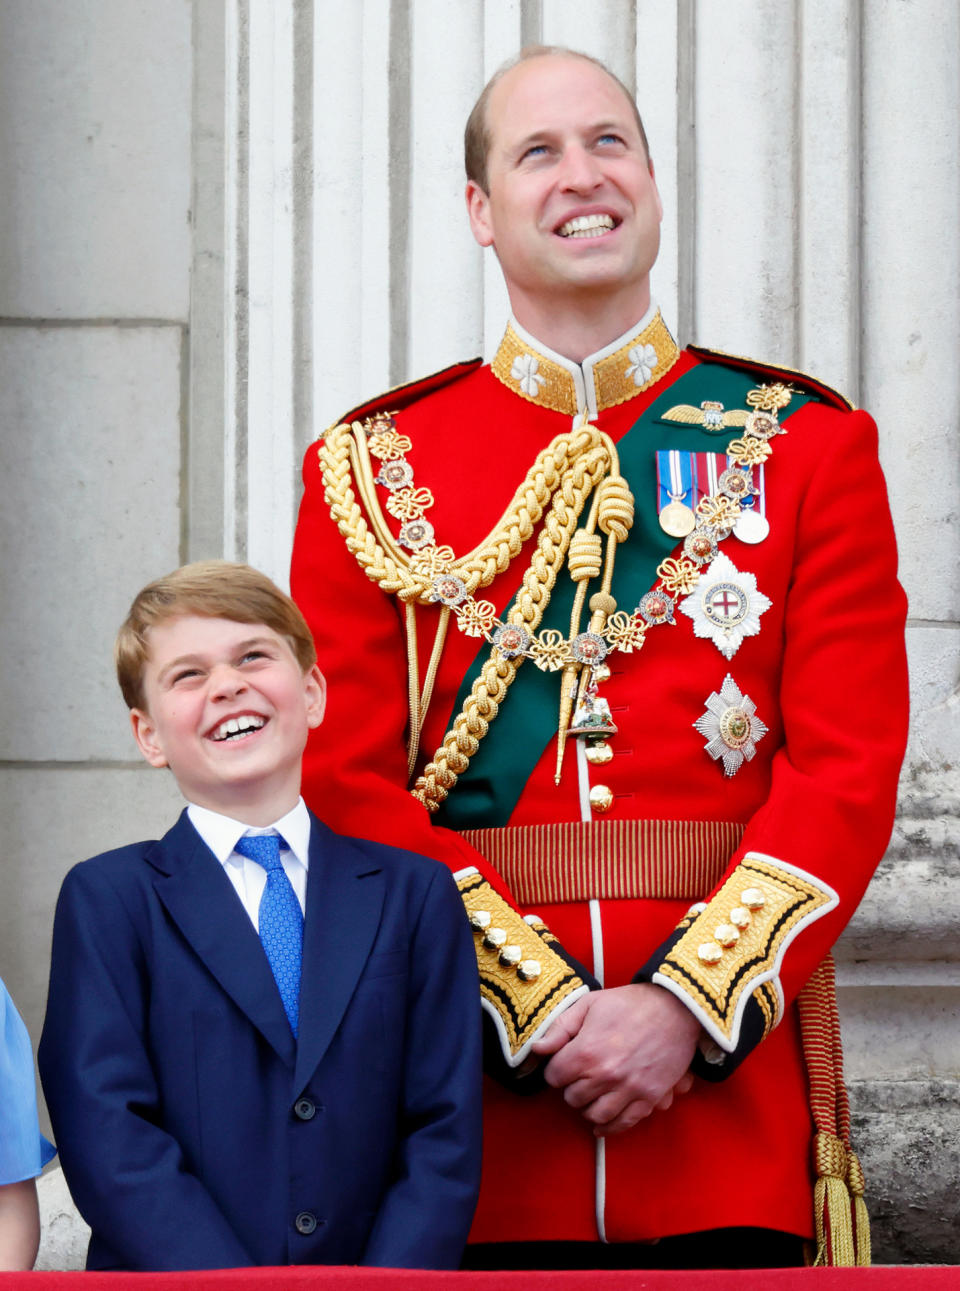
195, 1132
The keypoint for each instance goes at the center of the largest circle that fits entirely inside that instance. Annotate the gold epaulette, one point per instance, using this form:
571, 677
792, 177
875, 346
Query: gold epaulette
777, 372
525, 980
409, 392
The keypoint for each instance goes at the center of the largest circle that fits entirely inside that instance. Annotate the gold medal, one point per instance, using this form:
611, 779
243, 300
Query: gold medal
677, 519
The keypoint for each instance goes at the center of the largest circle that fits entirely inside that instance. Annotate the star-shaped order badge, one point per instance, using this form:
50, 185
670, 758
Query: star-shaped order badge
725, 606
731, 726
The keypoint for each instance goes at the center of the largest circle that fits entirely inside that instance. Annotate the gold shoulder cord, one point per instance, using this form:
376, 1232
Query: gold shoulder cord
567, 471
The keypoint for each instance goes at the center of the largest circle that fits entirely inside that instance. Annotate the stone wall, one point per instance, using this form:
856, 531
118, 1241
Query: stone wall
95, 254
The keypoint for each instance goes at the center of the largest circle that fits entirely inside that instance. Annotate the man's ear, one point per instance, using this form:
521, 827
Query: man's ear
145, 733
478, 212
315, 689
656, 189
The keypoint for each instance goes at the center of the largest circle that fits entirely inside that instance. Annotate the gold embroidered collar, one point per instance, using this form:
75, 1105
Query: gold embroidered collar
621, 371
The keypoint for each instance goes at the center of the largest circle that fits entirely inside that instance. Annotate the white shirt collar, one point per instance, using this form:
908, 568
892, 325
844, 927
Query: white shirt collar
220, 833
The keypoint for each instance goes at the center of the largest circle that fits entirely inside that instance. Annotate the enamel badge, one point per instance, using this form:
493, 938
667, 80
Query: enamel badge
726, 606
593, 716
731, 727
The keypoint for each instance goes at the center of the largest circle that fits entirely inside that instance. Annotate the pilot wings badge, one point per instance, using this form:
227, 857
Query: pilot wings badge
711, 415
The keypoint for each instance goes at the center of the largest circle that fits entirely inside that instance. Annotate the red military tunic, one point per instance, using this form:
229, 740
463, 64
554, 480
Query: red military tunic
826, 673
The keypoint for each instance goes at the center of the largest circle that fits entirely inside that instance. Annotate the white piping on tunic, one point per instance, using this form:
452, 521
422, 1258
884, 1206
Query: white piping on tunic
600, 1186
583, 781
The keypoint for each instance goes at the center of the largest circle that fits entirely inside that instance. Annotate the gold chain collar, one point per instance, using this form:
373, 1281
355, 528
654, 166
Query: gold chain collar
617, 377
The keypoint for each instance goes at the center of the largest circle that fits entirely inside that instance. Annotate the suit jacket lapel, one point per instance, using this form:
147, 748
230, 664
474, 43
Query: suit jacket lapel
201, 901
345, 892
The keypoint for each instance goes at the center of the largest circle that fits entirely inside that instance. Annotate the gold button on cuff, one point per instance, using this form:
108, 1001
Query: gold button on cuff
601, 798
726, 934
480, 920
740, 917
710, 952
494, 938
510, 956
528, 970
753, 899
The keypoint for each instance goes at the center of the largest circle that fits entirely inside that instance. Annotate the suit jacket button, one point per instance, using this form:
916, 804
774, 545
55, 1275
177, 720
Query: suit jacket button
306, 1223
304, 1109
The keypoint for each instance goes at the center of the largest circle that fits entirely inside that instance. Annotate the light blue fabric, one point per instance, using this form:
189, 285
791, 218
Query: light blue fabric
280, 920
23, 1149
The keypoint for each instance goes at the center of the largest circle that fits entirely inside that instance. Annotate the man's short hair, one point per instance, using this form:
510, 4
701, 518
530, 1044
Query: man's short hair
215, 589
476, 136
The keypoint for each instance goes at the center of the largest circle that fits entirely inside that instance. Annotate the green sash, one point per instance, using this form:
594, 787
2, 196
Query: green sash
487, 792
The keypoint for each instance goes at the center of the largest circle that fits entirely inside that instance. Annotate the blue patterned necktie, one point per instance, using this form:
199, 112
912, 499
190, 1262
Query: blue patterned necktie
280, 920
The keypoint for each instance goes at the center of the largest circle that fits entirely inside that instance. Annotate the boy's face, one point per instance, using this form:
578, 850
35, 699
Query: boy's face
228, 710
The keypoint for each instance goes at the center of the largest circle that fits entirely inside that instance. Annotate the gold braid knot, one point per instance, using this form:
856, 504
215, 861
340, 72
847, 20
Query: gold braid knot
586, 556
615, 514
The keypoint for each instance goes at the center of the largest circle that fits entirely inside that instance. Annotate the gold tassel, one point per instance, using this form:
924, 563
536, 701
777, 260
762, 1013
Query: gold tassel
831, 1201
861, 1219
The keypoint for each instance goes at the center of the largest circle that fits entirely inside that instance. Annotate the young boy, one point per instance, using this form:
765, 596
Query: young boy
217, 1103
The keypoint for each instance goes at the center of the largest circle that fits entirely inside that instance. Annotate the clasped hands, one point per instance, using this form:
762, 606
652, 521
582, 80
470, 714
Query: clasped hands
621, 1054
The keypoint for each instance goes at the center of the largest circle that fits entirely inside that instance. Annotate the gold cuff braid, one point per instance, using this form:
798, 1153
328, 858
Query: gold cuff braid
733, 948
523, 981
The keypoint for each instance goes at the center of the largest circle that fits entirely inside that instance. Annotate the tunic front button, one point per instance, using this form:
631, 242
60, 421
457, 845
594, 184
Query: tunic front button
598, 754
601, 798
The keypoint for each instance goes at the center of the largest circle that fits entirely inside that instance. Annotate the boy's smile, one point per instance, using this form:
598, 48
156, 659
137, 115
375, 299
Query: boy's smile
228, 709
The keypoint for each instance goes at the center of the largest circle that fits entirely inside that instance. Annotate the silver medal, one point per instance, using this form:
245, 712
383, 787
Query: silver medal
751, 526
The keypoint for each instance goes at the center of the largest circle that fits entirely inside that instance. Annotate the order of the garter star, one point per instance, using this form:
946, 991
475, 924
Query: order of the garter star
726, 606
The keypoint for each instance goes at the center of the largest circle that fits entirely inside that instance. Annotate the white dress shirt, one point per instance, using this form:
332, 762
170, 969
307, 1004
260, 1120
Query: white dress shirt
220, 833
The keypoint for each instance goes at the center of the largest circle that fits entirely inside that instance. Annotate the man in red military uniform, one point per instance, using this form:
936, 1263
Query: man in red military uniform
613, 629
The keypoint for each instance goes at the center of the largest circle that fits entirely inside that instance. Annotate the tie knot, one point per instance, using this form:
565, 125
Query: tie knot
262, 848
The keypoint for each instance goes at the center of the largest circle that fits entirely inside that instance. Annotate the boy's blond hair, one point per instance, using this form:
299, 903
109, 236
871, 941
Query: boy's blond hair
215, 589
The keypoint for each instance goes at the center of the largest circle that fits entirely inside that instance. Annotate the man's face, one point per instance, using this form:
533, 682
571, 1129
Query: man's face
573, 209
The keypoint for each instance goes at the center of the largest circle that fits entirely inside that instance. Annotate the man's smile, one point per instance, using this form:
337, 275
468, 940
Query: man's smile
587, 226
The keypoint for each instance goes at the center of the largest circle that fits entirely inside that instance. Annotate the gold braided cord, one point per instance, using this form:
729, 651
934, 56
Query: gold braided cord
840, 1213
363, 473
413, 688
346, 465
439, 639
373, 557
488, 691
418, 704
612, 510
